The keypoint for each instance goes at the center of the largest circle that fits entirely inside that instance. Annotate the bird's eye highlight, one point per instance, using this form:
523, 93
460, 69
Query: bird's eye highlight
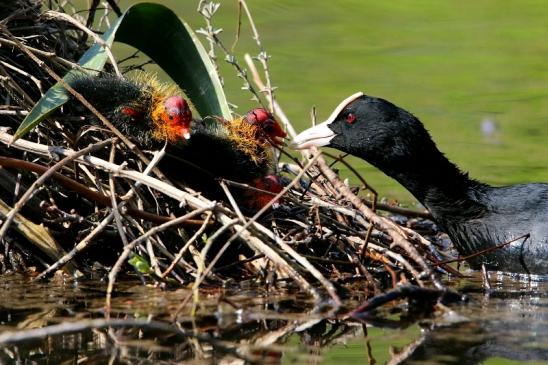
350, 118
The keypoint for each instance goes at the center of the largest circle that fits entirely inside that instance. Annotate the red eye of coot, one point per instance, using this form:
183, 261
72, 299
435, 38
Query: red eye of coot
350, 118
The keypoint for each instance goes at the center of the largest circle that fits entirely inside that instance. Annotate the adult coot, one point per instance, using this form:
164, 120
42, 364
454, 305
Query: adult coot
475, 215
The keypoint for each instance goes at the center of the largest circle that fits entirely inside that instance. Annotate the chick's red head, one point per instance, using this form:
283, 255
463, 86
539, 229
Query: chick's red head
256, 200
269, 126
177, 116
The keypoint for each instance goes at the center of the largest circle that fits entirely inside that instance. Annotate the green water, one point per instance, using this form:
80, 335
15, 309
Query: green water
451, 63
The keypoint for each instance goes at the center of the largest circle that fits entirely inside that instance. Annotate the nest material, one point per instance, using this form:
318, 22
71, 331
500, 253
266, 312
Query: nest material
319, 234
55, 42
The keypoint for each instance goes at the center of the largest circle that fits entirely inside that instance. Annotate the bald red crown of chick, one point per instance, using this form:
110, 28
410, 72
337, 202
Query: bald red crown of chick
267, 125
177, 116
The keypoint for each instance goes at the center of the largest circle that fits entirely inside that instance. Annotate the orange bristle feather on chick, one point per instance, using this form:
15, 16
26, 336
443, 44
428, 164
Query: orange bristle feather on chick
239, 150
140, 107
255, 133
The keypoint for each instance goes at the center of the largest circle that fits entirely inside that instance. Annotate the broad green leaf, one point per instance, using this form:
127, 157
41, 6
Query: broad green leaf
169, 41
157, 31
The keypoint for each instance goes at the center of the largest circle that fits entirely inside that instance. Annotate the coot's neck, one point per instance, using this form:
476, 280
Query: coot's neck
447, 192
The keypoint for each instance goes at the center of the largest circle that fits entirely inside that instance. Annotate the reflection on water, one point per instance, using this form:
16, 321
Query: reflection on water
509, 325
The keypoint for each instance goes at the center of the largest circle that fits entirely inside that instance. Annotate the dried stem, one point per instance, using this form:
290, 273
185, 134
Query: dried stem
262, 57
33, 189
397, 233
129, 247
183, 249
208, 9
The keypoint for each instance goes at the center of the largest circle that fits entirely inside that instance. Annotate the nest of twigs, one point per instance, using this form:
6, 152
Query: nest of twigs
77, 199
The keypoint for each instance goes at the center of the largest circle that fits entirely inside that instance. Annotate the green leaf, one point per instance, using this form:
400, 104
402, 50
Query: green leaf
171, 43
157, 31
140, 264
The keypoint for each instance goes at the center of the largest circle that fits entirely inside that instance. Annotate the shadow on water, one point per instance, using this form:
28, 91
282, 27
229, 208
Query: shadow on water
239, 324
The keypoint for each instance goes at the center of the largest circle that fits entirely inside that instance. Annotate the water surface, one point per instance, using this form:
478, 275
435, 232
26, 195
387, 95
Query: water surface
507, 326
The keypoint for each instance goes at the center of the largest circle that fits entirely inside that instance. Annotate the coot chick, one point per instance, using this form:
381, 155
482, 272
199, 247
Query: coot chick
476, 216
140, 107
239, 150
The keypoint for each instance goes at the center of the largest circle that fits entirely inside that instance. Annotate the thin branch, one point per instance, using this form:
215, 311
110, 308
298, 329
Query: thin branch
84, 191
33, 188
81, 246
262, 57
183, 249
397, 234
49, 55
51, 14
129, 247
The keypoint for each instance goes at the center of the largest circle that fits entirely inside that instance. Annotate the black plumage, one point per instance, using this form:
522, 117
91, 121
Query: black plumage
210, 155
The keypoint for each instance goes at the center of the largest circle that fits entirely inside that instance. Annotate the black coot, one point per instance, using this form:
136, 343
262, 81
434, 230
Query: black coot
475, 215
